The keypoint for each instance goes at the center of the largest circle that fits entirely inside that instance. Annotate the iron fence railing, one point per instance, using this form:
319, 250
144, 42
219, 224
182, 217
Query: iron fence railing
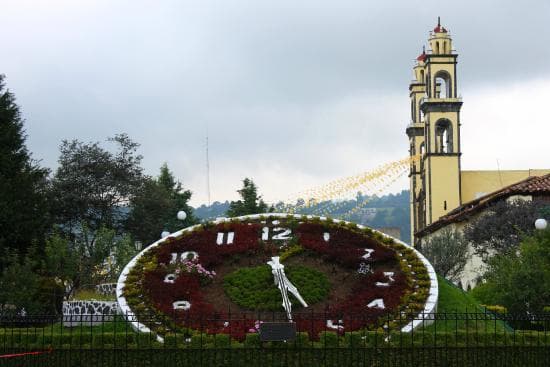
442, 339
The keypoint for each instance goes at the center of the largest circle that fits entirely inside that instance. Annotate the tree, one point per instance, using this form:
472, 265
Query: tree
179, 199
23, 201
92, 185
23, 290
503, 226
61, 261
251, 203
155, 208
519, 280
448, 253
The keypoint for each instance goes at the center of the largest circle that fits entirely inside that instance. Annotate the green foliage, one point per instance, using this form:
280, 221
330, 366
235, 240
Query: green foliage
155, 208
24, 291
86, 294
504, 225
60, 260
251, 203
98, 338
496, 309
88, 259
453, 300
92, 184
23, 190
448, 253
253, 288
293, 249
519, 281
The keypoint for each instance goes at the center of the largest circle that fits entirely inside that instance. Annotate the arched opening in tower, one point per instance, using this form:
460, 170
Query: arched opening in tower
443, 85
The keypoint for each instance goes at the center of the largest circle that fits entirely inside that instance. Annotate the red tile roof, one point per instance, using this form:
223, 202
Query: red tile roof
535, 185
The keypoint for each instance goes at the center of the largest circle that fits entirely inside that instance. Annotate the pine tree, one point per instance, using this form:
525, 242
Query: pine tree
251, 202
155, 208
23, 205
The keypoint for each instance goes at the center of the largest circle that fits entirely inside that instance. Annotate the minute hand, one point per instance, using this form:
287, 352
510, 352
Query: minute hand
292, 289
284, 284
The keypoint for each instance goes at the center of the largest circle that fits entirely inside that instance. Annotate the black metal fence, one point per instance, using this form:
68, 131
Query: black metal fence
444, 339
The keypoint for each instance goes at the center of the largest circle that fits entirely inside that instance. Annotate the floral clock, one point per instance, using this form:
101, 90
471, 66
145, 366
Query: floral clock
222, 276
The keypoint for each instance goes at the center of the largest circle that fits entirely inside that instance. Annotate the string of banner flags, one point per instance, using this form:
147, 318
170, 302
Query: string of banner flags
333, 194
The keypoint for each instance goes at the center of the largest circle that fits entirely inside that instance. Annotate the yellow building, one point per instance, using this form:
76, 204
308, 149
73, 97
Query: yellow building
437, 183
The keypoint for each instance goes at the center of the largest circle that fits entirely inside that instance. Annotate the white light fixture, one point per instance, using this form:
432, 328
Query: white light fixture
164, 234
182, 215
541, 224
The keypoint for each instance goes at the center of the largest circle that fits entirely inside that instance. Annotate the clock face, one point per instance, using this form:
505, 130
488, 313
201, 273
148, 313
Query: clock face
215, 277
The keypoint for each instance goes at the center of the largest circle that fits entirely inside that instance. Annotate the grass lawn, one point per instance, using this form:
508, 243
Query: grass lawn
462, 312
88, 294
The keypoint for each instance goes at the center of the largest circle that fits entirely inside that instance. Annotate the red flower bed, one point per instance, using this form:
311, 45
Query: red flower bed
204, 242
344, 246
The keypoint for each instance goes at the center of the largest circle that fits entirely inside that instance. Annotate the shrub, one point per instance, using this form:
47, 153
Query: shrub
252, 288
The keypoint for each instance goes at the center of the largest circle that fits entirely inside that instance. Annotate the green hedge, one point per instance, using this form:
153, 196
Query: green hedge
326, 340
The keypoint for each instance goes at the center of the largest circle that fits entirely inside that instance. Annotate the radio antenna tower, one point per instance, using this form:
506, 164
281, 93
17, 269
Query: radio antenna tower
207, 168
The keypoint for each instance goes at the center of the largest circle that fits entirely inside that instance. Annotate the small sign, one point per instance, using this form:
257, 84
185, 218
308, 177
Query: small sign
277, 331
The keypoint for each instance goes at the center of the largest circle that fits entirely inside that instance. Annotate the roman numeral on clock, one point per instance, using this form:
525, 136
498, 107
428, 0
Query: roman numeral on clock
225, 238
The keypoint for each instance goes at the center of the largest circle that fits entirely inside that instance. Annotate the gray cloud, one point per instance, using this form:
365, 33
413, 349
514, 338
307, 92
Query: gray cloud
308, 90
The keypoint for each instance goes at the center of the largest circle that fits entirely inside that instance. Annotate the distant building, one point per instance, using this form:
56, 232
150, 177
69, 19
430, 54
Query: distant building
438, 186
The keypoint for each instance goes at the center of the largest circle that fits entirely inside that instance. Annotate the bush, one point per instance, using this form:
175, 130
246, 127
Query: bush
495, 308
253, 289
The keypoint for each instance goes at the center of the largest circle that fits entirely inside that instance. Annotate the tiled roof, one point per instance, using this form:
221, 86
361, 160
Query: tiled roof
422, 56
535, 185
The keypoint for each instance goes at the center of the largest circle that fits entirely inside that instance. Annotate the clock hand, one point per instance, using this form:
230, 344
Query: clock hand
292, 288
284, 285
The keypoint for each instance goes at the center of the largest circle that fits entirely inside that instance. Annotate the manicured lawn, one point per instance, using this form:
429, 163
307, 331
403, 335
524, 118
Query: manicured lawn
458, 310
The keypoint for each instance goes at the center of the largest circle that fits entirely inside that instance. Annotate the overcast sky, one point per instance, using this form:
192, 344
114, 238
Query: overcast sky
292, 93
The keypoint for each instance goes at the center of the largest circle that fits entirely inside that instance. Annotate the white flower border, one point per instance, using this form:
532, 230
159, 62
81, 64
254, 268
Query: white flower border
425, 317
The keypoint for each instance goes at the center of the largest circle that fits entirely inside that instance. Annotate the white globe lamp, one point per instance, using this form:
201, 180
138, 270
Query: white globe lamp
182, 215
541, 224
164, 234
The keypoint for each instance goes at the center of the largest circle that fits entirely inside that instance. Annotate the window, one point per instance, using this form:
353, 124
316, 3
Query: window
443, 136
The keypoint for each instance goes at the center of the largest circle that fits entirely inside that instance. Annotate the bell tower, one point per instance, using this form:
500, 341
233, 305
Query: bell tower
434, 133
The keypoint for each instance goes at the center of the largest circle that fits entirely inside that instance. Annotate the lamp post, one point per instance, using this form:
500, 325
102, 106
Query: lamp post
541, 224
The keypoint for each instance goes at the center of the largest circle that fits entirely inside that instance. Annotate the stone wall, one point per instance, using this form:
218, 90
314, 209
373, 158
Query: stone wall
88, 312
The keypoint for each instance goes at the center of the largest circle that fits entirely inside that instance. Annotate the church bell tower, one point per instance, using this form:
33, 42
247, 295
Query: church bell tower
434, 133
